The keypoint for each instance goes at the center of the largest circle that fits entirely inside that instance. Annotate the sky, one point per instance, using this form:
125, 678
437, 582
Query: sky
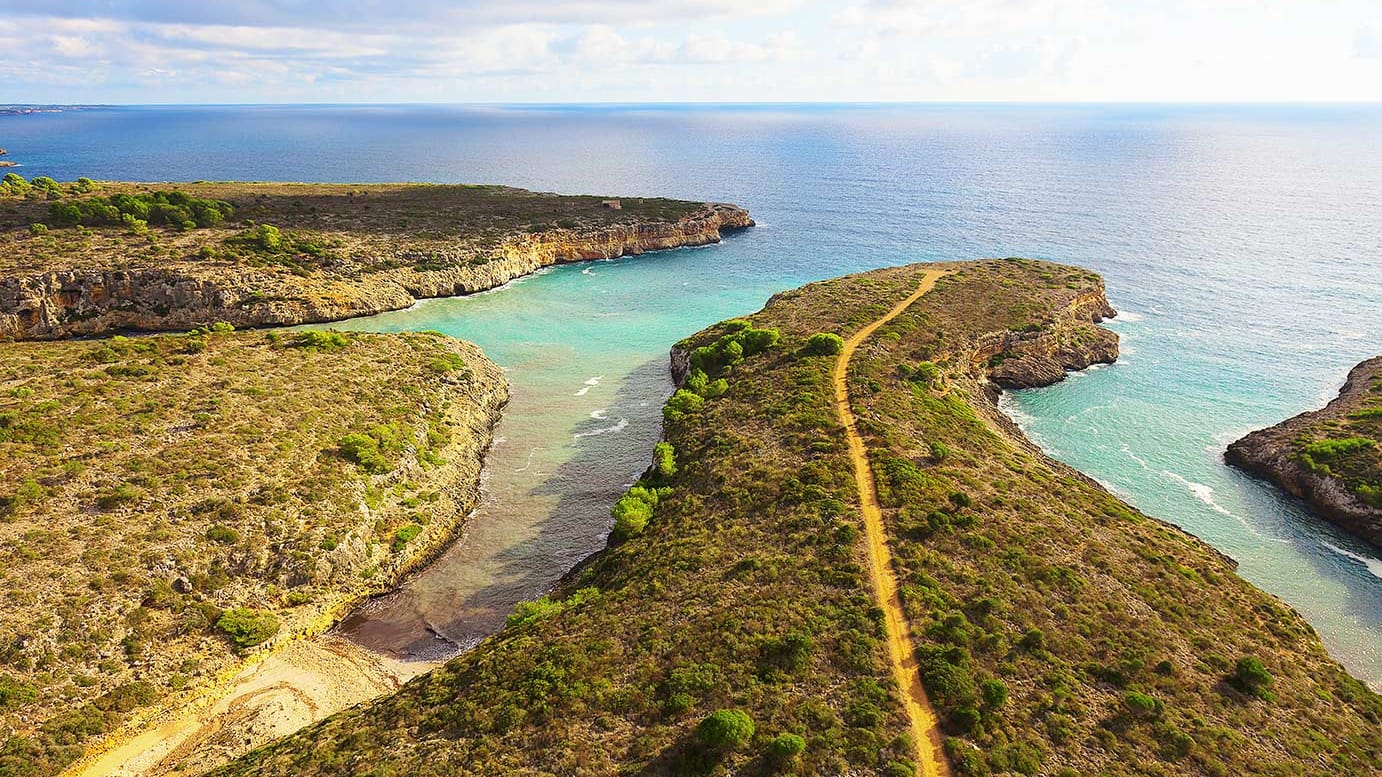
510, 51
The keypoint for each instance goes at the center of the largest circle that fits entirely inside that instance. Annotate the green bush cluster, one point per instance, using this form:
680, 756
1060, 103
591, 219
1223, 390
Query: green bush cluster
246, 627
170, 208
823, 344
320, 340
681, 404
634, 509
664, 461
741, 341
545, 607
373, 450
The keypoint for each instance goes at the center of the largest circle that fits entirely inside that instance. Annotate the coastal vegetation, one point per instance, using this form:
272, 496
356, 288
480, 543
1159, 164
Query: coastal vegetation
171, 503
1058, 631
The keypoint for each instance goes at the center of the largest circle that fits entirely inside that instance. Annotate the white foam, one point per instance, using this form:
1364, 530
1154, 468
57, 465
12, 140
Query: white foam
1206, 494
1128, 316
1141, 461
618, 427
599, 415
586, 271
1374, 565
529, 462
589, 384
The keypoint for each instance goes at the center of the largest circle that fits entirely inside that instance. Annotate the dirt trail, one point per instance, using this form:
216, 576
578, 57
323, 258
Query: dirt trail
925, 729
287, 690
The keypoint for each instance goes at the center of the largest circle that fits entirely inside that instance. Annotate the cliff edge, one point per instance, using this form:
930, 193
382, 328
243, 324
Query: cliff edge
115, 256
1331, 457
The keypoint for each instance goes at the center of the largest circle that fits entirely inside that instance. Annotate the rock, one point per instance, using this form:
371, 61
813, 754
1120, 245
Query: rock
59, 304
182, 585
1273, 454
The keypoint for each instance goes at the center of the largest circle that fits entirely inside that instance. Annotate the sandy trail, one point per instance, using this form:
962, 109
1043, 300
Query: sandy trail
288, 689
925, 729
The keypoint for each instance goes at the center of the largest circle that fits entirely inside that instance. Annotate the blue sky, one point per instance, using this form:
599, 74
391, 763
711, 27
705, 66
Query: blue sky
180, 51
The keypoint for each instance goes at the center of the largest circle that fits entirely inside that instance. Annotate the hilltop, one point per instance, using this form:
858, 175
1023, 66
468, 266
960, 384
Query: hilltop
732, 625
170, 505
1330, 457
92, 257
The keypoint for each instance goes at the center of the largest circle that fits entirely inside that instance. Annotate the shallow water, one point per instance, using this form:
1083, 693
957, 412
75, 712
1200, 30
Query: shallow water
1244, 243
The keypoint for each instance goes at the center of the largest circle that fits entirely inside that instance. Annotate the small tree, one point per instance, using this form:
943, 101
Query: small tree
247, 628
726, 730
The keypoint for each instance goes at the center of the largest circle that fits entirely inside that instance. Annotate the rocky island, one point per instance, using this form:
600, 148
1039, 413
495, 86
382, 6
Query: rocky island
836, 480
1331, 458
97, 257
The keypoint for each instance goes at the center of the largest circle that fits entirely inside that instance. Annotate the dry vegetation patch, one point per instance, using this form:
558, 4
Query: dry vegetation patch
169, 502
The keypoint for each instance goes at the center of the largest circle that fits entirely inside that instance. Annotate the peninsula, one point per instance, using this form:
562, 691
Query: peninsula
1331, 457
839, 510
95, 257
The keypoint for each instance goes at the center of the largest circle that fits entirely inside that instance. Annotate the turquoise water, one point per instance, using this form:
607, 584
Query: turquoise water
1245, 244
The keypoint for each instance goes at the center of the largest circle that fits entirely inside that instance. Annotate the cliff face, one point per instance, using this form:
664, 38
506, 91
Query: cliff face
1031, 359
70, 303
1281, 454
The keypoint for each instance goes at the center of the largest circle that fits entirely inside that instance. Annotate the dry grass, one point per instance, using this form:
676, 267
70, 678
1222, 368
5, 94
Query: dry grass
148, 485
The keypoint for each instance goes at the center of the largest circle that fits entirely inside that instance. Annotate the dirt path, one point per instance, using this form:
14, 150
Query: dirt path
925, 729
289, 689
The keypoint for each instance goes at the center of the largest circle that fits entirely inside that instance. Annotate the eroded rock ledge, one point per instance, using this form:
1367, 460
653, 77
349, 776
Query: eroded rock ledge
1281, 455
381, 271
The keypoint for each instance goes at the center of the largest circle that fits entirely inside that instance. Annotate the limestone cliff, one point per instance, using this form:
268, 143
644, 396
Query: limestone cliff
1335, 484
58, 303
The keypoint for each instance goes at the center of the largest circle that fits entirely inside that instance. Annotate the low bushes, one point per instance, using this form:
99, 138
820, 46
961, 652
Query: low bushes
170, 208
246, 627
823, 344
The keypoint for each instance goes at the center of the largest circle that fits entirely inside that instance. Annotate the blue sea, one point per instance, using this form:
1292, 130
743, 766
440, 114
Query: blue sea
1242, 244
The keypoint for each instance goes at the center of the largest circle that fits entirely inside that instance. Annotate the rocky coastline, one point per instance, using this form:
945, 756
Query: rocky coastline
1280, 454
63, 303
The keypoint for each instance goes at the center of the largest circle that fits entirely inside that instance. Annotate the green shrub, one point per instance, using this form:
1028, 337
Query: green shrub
926, 373
785, 747
1334, 448
120, 494
246, 627
320, 340
447, 363
38, 229
823, 344
222, 534
1251, 677
405, 535
681, 404
15, 694
633, 511
1141, 705
995, 693
725, 730
665, 460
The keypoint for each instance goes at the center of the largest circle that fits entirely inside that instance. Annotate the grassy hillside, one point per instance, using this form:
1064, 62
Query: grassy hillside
167, 503
729, 628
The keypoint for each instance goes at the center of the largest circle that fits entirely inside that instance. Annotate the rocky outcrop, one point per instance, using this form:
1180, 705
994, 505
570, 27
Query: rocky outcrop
1274, 454
1042, 356
72, 303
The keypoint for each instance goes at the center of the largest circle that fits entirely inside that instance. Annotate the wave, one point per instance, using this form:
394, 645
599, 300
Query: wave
589, 384
618, 427
1127, 316
1206, 494
1373, 565
599, 415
